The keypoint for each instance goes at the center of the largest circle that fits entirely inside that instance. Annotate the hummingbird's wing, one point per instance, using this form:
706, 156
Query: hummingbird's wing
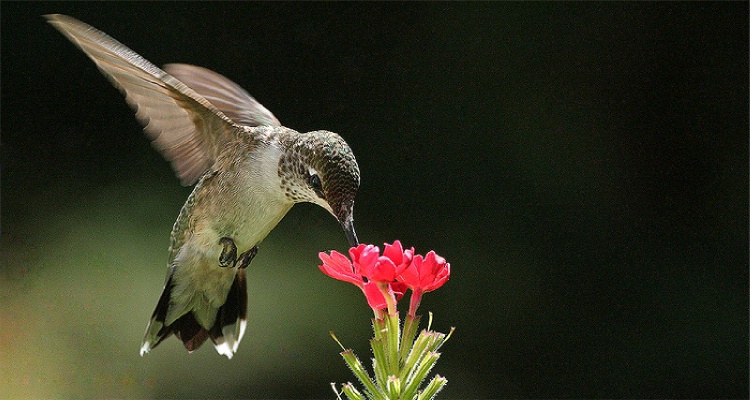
227, 96
186, 128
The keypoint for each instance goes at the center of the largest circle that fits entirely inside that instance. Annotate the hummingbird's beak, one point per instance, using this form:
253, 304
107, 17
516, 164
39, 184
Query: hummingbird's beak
345, 215
348, 225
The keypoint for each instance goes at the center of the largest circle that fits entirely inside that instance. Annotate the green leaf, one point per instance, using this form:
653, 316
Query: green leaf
418, 351
351, 392
359, 371
424, 367
407, 337
436, 384
393, 388
379, 362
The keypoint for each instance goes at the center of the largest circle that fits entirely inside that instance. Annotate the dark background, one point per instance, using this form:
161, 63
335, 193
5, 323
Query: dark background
583, 166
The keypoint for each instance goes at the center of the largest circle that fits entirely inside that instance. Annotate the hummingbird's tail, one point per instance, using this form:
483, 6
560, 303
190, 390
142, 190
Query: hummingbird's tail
226, 331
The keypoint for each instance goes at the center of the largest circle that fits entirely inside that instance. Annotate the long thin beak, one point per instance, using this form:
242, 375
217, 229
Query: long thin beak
348, 226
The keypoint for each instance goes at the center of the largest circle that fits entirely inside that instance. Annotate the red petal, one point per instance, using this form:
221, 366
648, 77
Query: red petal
406, 260
354, 252
384, 270
410, 275
426, 274
395, 252
364, 258
436, 272
374, 296
399, 289
337, 266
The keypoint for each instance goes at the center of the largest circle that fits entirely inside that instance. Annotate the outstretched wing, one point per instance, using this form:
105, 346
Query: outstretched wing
227, 96
185, 127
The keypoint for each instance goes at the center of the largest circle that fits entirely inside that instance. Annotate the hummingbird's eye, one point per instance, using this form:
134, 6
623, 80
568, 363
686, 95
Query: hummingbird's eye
315, 184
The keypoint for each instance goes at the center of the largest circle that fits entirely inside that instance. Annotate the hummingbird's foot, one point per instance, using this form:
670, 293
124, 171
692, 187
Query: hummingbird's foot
228, 257
247, 256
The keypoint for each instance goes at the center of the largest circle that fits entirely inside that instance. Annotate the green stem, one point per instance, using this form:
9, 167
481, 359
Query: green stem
392, 345
378, 328
388, 295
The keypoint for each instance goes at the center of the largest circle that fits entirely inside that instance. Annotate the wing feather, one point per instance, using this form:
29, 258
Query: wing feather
226, 95
185, 127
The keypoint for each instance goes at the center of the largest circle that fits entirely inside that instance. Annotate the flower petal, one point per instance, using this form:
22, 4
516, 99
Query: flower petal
425, 274
433, 273
408, 255
410, 275
384, 270
337, 266
394, 251
364, 258
375, 298
440, 278
399, 289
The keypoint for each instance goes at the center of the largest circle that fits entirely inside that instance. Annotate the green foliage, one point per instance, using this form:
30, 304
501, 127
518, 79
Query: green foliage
401, 363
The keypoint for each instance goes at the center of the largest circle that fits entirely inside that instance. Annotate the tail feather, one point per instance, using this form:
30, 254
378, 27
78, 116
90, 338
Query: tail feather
187, 329
231, 319
226, 332
156, 332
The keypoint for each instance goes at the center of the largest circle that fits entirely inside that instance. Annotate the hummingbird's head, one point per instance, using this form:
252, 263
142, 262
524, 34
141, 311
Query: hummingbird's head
320, 168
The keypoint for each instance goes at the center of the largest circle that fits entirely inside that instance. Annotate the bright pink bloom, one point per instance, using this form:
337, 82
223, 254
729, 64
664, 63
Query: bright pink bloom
368, 261
384, 270
385, 278
364, 257
367, 270
426, 274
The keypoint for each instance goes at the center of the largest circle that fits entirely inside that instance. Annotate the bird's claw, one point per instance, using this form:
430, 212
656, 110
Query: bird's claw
247, 256
228, 255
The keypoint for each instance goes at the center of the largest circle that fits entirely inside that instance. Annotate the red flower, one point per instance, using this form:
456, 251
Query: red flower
372, 273
385, 278
426, 274
364, 258
398, 289
368, 261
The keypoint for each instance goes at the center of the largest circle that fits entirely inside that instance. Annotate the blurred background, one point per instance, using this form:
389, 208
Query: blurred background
582, 166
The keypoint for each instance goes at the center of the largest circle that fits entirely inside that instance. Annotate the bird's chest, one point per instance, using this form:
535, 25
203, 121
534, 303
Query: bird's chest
250, 218
243, 200
251, 205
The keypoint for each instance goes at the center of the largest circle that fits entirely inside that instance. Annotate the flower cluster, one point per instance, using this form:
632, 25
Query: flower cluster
401, 361
384, 278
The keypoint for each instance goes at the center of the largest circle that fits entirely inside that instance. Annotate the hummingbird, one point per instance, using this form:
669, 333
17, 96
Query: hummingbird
248, 171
